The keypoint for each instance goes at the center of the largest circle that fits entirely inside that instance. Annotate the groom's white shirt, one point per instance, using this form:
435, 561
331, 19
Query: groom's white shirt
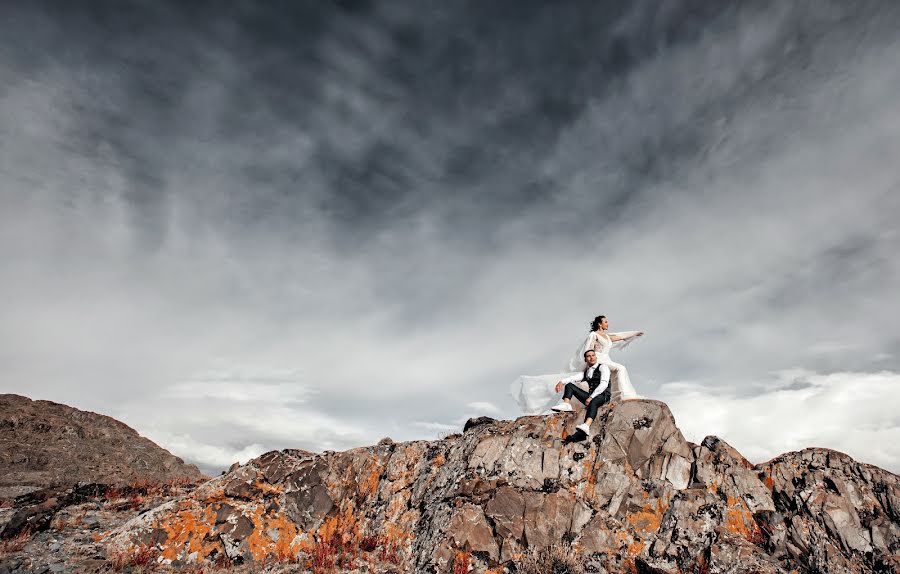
586, 376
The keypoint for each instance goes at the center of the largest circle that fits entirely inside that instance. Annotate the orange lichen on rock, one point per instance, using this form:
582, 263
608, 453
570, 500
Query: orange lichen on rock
209, 497
648, 519
274, 536
267, 489
397, 506
591, 476
188, 530
739, 520
342, 526
396, 539
371, 477
635, 547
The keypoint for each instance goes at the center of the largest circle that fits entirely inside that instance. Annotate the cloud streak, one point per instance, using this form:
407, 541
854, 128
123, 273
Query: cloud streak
850, 412
394, 211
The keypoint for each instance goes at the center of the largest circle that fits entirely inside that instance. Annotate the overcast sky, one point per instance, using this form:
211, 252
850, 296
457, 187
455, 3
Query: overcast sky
242, 227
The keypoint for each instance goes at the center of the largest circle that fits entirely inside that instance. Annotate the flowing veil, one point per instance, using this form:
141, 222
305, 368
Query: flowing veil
536, 394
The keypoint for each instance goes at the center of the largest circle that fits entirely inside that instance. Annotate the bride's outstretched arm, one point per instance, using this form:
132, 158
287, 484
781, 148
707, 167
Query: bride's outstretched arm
624, 335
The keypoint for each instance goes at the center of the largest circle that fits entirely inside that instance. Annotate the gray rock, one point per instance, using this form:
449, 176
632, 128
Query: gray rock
634, 496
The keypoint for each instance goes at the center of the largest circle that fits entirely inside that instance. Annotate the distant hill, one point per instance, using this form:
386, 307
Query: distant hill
44, 444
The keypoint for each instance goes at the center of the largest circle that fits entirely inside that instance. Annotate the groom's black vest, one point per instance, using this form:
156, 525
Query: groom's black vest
595, 380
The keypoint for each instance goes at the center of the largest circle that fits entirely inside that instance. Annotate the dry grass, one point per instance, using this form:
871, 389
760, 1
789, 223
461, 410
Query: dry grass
556, 559
133, 557
15, 544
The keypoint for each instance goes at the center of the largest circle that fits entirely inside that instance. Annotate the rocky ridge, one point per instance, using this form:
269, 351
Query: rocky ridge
45, 444
636, 497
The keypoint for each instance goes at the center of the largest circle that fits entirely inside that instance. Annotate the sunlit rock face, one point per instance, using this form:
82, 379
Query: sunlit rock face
636, 496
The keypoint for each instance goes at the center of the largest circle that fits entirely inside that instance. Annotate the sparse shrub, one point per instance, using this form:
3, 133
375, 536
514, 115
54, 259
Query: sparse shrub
15, 544
555, 559
59, 523
134, 556
135, 501
223, 562
368, 544
461, 563
285, 554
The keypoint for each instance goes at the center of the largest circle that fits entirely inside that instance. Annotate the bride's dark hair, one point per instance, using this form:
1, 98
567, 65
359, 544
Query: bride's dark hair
595, 324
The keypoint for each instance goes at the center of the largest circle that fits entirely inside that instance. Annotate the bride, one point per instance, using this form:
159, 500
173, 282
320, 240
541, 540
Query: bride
537, 394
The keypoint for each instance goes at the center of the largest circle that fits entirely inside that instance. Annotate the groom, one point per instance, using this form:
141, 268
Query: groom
597, 395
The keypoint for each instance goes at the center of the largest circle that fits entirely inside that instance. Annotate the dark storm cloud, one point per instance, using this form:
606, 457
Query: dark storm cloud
218, 215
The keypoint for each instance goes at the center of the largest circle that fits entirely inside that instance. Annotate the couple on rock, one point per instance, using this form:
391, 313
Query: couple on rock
592, 377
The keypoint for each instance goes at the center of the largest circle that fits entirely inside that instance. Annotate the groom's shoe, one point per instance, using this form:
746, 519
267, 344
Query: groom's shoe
577, 436
562, 407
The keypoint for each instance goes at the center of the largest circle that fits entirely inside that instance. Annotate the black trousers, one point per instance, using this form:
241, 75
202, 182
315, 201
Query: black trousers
573, 390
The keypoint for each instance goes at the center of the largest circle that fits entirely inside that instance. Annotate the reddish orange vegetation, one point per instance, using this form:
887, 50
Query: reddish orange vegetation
770, 484
133, 556
461, 563
337, 541
439, 460
14, 544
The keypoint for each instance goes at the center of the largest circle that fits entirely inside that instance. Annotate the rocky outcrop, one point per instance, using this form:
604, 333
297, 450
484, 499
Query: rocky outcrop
45, 444
832, 514
635, 497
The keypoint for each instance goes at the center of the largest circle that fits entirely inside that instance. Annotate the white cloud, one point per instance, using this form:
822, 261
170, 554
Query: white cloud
733, 195
855, 413
484, 407
435, 427
207, 456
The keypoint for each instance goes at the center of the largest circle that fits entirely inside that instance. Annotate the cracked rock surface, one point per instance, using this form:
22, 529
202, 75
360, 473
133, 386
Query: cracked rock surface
634, 497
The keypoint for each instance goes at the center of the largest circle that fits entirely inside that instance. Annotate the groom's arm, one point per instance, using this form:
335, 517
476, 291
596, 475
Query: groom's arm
573, 379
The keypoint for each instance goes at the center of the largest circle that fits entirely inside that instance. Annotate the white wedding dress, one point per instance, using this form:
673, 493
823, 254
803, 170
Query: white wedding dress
536, 394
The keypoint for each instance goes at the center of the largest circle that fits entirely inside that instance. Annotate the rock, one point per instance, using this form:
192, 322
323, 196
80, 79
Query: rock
46, 444
636, 497
823, 495
474, 422
470, 530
